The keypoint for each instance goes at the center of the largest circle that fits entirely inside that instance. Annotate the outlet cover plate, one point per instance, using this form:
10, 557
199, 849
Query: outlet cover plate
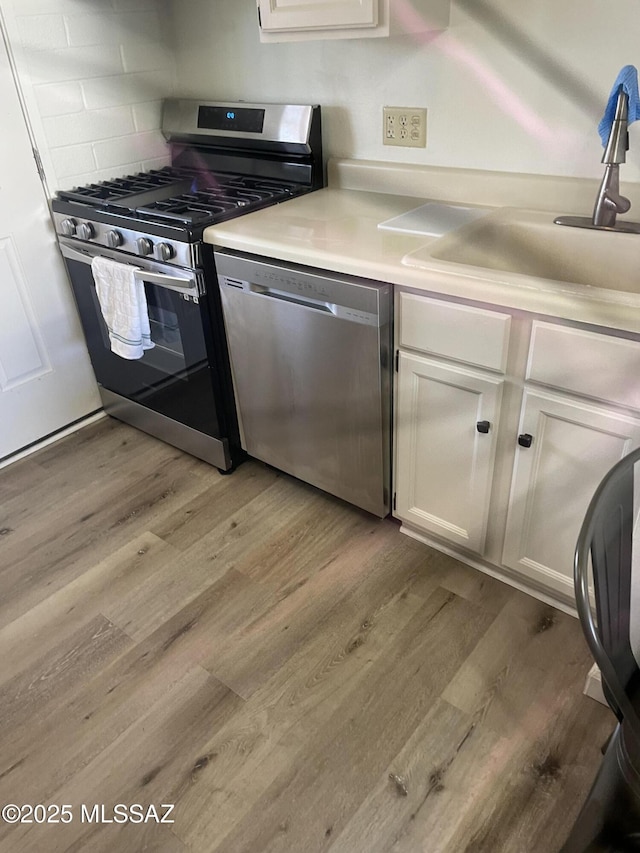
405, 126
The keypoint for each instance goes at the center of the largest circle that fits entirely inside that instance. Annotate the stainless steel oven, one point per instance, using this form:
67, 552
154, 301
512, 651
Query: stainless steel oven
172, 387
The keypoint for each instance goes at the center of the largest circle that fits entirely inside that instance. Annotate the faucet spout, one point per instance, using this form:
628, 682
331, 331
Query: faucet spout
609, 201
618, 141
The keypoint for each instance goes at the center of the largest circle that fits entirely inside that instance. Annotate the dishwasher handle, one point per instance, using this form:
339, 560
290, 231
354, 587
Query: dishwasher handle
341, 312
295, 299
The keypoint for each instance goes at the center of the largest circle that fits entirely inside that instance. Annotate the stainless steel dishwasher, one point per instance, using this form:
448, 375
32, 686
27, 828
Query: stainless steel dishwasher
310, 356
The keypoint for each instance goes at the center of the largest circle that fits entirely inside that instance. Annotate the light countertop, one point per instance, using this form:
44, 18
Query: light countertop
336, 228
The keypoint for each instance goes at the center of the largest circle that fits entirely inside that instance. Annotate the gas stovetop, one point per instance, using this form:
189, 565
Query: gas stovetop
179, 196
227, 159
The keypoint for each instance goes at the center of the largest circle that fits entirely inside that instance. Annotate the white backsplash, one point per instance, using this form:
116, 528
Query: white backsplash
93, 76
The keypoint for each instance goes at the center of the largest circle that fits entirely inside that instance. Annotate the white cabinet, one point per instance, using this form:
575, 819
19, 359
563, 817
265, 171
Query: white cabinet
454, 331
316, 14
573, 445
299, 20
563, 406
445, 431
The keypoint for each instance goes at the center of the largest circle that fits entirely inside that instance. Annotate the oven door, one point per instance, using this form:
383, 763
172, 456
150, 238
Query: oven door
174, 378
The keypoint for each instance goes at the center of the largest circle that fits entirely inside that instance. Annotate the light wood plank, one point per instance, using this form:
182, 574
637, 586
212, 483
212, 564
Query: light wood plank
39, 558
101, 452
164, 742
284, 715
406, 784
217, 505
514, 687
60, 669
207, 560
16, 480
66, 610
44, 751
337, 770
533, 791
247, 657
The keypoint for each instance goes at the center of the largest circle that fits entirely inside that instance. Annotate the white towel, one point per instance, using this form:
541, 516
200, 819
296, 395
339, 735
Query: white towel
124, 307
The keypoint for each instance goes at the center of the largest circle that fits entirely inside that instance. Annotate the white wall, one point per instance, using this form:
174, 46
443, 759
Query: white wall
93, 73
511, 85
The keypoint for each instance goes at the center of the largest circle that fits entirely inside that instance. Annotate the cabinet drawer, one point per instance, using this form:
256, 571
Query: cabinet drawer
459, 332
599, 366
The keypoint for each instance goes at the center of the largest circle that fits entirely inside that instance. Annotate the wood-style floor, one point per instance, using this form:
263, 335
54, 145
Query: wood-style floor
293, 674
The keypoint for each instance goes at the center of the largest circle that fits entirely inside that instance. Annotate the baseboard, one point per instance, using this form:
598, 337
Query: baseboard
50, 439
488, 569
593, 685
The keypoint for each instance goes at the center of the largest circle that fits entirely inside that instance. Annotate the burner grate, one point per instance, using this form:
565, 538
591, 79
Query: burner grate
220, 200
184, 196
119, 189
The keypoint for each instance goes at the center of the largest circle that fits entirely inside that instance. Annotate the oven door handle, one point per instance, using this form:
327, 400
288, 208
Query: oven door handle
173, 282
181, 284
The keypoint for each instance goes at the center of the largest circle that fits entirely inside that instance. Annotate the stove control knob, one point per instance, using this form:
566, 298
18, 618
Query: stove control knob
68, 227
164, 251
85, 231
145, 246
114, 239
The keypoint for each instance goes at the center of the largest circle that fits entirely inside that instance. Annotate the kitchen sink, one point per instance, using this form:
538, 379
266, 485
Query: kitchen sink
529, 243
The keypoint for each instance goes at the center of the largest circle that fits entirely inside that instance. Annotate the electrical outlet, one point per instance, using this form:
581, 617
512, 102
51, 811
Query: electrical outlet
404, 126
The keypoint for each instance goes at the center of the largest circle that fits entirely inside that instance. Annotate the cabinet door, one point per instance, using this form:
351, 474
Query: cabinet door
444, 457
573, 445
282, 15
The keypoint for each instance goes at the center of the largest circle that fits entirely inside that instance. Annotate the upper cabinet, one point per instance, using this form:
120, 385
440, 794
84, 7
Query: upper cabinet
277, 15
299, 20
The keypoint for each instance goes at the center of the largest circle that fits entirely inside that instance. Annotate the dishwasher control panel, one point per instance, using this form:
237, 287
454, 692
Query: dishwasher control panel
356, 300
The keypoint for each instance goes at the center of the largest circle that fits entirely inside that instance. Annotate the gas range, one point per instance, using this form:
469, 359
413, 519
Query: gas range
227, 160
173, 204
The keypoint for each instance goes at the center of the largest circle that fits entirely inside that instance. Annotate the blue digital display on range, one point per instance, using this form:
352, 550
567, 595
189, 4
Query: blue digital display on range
243, 119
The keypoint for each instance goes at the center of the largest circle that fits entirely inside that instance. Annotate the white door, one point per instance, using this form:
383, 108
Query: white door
281, 15
572, 446
446, 429
46, 381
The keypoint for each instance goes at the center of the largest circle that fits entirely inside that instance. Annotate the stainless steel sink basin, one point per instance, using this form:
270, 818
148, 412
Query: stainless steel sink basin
529, 243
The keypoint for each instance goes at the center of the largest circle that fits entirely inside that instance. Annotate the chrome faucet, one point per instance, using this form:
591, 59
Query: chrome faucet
609, 202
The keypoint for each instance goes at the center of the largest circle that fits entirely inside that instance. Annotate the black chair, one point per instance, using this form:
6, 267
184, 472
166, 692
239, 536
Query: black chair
610, 817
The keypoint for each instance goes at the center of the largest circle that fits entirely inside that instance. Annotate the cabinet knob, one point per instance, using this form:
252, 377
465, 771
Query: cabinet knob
483, 426
525, 440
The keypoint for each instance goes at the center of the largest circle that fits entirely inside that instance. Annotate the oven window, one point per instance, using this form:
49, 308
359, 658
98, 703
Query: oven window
173, 378
163, 320
170, 316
